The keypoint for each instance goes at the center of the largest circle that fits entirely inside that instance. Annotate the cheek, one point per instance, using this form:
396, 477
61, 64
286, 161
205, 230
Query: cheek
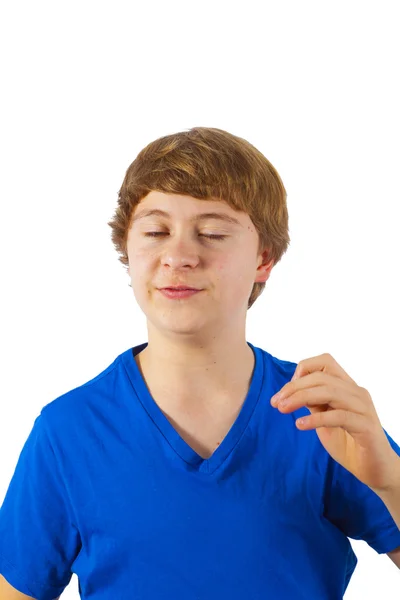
141, 260
231, 277
232, 267
224, 270
141, 272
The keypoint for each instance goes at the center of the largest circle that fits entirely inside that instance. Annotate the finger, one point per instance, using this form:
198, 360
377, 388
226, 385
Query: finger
310, 381
337, 397
323, 362
351, 422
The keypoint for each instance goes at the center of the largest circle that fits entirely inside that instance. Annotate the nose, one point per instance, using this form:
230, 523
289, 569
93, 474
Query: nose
179, 251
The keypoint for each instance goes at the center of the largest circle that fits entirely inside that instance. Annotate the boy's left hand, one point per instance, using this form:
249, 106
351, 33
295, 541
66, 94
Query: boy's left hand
345, 420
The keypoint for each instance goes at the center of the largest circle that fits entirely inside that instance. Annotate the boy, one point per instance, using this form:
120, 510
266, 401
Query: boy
170, 474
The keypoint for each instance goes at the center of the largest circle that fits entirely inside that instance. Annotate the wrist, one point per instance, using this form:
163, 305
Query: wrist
393, 486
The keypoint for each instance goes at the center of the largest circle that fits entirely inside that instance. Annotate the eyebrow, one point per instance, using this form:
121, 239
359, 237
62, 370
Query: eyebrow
208, 215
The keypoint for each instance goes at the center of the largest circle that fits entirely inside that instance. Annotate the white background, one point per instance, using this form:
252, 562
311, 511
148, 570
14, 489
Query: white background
86, 85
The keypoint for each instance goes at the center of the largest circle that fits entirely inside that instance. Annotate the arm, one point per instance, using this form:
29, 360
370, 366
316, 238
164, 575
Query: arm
391, 498
395, 556
8, 592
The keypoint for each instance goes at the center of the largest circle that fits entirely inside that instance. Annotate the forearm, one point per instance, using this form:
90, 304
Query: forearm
391, 496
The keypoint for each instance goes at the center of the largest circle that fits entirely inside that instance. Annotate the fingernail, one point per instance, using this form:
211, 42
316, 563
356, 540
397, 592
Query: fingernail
275, 399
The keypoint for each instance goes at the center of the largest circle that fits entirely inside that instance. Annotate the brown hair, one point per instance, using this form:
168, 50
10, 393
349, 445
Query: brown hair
208, 163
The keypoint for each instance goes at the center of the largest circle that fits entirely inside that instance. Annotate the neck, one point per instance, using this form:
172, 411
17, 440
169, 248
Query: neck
197, 372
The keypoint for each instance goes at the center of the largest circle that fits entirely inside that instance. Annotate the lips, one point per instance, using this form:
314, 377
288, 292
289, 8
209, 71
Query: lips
179, 294
180, 288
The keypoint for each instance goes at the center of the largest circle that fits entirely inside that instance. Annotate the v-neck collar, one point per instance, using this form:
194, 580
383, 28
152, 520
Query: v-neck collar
181, 447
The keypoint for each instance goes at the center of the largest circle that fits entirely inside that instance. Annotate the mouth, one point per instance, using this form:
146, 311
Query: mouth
179, 293
181, 289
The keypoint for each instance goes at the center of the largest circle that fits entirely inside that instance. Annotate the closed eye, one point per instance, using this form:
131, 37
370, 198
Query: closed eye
157, 233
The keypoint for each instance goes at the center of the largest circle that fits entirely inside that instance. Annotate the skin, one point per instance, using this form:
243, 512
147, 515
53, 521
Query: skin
197, 348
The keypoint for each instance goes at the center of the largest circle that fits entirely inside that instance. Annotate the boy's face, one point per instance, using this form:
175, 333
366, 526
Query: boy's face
224, 269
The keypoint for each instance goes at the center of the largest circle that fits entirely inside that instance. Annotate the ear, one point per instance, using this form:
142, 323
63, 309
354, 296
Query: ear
265, 267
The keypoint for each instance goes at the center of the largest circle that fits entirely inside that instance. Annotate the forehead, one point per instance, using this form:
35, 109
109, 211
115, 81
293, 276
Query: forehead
160, 204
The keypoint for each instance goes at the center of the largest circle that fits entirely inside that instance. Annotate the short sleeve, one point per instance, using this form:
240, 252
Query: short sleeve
357, 511
38, 540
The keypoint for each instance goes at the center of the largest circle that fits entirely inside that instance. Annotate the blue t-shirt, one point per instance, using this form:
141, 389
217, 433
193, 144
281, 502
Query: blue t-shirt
106, 488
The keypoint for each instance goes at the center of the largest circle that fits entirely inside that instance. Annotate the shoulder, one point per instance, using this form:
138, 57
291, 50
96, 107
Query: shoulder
78, 401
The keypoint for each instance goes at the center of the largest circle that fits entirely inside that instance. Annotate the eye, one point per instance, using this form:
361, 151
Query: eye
157, 233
